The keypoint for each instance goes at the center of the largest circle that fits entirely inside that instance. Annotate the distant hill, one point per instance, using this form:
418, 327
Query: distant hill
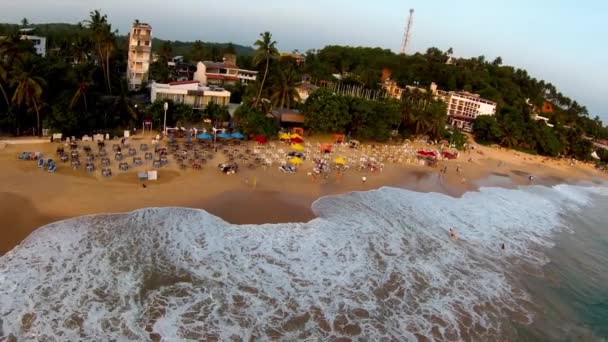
57, 32
182, 48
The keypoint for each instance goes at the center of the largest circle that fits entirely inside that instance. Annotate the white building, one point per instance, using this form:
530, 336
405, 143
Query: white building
38, 42
191, 93
464, 108
227, 72
140, 54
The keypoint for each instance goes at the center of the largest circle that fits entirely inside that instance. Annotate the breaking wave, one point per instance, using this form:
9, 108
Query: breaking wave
375, 264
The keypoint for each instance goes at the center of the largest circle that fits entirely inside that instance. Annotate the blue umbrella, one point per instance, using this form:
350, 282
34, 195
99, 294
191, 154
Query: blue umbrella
224, 135
238, 135
204, 136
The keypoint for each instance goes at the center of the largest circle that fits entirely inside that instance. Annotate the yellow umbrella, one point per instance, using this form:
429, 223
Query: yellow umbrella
295, 160
296, 135
297, 147
340, 160
284, 136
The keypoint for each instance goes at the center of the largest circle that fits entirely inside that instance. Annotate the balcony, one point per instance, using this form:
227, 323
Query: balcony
140, 48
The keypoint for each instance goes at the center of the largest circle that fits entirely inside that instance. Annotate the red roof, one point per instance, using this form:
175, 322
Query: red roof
181, 82
222, 77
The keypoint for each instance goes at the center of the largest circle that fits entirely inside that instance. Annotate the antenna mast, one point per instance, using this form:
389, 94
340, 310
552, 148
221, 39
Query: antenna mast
407, 33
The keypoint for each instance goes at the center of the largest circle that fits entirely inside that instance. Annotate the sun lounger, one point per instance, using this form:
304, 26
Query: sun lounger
40, 163
106, 172
52, 168
142, 176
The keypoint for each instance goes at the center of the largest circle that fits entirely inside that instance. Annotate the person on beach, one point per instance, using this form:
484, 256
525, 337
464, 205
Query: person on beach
363, 179
531, 178
453, 235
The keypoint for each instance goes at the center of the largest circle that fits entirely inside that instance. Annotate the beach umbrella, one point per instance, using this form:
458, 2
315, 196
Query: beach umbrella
297, 147
284, 136
340, 161
238, 135
295, 160
204, 136
261, 139
224, 135
297, 140
295, 135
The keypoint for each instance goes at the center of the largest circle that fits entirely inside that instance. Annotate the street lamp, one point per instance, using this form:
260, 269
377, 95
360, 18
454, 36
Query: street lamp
165, 122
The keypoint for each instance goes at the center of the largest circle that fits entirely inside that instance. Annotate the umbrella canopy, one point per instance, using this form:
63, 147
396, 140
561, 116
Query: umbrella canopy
297, 140
340, 160
297, 147
295, 160
224, 135
295, 135
261, 139
238, 135
284, 136
204, 136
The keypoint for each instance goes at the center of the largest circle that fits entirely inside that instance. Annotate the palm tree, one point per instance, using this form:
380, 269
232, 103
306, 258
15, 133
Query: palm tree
104, 41
283, 87
266, 50
84, 82
9, 53
28, 91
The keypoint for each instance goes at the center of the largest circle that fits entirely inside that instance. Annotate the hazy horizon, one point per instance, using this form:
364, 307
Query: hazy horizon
533, 36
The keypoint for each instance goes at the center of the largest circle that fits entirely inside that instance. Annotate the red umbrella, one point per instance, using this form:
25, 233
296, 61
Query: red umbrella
297, 140
261, 140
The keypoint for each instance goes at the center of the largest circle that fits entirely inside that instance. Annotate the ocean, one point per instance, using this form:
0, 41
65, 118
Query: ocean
376, 265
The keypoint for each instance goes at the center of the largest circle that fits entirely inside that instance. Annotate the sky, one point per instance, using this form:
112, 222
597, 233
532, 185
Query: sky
560, 41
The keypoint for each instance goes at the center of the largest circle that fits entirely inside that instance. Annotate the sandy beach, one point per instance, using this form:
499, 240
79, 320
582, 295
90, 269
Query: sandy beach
30, 197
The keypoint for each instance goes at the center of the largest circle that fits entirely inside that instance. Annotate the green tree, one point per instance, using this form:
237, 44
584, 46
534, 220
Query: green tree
283, 85
104, 42
266, 50
84, 75
326, 112
486, 129
253, 122
28, 92
197, 52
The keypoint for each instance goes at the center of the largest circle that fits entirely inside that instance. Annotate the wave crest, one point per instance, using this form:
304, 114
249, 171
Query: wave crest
377, 264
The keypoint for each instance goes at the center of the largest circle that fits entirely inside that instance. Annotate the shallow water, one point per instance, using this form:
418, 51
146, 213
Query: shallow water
374, 265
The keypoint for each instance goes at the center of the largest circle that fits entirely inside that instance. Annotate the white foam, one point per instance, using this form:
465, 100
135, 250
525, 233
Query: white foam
379, 261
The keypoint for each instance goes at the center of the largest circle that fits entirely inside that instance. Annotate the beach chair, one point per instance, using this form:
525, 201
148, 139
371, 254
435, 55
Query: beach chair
40, 163
52, 168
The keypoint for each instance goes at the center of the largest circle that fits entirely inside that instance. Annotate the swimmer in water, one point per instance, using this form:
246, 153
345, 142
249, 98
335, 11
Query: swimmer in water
453, 234
502, 246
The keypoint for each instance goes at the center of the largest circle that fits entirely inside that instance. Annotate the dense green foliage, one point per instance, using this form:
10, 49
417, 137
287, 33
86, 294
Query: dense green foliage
254, 122
361, 118
516, 93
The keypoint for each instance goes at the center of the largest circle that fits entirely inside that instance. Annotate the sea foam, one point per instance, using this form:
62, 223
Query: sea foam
375, 265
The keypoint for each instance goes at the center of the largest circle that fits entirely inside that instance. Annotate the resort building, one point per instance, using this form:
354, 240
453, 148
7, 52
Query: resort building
226, 72
464, 108
191, 93
295, 56
140, 54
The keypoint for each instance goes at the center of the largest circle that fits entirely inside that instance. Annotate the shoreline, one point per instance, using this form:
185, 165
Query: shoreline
30, 198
